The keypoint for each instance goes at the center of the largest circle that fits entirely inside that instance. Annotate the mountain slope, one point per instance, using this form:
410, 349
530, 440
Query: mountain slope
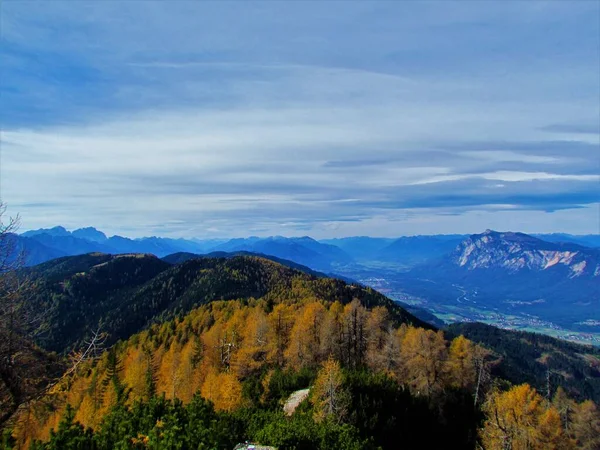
125, 293
30, 251
531, 357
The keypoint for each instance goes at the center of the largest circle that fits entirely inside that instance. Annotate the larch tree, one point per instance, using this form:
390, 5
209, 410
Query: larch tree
280, 321
328, 395
461, 363
519, 419
304, 348
256, 345
586, 425
424, 356
333, 333
355, 324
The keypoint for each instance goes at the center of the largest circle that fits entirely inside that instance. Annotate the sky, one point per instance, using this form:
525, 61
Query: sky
328, 119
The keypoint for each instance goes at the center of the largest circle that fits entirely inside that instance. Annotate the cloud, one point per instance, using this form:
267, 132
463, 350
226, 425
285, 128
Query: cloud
208, 118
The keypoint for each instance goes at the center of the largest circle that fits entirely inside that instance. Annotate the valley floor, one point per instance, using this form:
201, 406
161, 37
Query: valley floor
464, 307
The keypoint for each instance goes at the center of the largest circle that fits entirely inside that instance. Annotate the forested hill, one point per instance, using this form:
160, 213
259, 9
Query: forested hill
123, 294
538, 359
206, 352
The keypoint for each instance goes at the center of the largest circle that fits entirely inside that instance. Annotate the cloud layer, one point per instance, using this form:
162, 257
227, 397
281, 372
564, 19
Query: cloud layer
199, 119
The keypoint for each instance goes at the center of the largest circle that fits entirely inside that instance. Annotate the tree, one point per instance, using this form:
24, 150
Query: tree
223, 389
13, 317
461, 363
333, 338
586, 425
280, 321
355, 334
518, 419
378, 325
329, 396
256, 345
424, 355
304, 348
70, 434
565, 407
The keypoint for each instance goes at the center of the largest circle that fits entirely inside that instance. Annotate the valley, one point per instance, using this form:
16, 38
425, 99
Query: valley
460, 304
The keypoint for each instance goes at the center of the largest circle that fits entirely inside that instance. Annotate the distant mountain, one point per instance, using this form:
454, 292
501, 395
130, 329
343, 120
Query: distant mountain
32, 251
360, 247
412, 250
70, 245
516, 252
302, 250
90, 234
55, 231
515, 273
58, 241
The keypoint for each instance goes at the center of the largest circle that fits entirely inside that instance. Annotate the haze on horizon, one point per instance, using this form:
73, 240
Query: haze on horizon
225, 119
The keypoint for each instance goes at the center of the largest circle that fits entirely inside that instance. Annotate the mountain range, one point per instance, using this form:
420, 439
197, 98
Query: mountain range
544, 281
325, 254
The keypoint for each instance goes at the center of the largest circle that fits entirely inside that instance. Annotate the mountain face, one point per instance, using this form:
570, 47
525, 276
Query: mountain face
514, 273
122, 294
90, 234
515, 252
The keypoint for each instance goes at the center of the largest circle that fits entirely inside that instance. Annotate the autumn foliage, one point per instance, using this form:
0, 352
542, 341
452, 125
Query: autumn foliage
218, 347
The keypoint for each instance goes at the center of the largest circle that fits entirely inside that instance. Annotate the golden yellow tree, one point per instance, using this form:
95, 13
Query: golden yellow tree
518, 419
304, 348
230, 397
185, 376
586, 426
333, 335
461, 363
135, 367
223, 389
328, 395
169, 379
256, 345
280, 325
424, 355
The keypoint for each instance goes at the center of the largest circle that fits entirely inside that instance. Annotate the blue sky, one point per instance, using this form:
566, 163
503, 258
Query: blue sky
292, 118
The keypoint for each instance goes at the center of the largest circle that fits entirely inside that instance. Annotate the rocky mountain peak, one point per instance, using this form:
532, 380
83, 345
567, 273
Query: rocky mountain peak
518, 251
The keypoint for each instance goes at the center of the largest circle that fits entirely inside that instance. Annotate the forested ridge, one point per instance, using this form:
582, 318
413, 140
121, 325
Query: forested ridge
122, 294
538, 359
211, 348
